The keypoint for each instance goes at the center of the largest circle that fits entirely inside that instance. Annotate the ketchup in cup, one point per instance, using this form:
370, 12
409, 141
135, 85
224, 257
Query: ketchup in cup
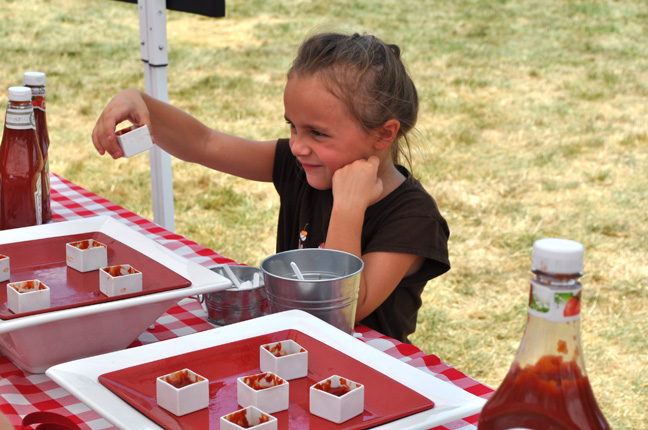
36, 81
547, 387
21, 164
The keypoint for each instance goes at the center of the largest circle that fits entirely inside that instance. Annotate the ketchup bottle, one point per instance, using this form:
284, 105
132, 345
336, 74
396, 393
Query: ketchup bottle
547, 387
21, 164
36, 81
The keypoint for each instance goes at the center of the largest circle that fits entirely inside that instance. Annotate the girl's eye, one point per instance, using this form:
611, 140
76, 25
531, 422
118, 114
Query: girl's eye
317, 133
290, 124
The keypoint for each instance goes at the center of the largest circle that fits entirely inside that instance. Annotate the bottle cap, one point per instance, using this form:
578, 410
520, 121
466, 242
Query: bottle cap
36, 79
558, 256
20, 94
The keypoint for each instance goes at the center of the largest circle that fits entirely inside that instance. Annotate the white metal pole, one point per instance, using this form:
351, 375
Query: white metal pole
154, 53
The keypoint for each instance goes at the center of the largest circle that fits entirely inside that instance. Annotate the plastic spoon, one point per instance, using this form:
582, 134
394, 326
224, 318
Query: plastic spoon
232, 276
297, 271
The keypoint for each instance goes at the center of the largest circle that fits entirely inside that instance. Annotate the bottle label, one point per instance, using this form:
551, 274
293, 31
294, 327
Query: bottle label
38, 102
554, 304
20, 119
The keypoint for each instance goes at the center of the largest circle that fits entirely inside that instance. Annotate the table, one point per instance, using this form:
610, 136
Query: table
22, 393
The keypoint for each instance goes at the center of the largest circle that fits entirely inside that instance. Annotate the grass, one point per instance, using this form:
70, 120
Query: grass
533, 124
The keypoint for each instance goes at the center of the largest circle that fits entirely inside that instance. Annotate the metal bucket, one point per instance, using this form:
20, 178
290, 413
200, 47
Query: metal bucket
234, 305
329, 290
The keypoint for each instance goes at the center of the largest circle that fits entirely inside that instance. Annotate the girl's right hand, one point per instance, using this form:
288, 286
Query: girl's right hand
127, 105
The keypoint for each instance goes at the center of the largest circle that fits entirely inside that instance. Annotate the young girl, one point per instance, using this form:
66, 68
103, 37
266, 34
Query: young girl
350, 104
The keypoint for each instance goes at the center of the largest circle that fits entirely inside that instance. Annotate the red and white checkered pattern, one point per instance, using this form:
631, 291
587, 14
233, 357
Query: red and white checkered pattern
22, 393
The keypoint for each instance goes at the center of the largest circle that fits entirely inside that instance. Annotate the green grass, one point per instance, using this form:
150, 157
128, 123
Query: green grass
532, 124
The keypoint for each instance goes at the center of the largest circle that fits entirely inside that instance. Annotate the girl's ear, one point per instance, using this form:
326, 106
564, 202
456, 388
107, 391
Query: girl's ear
387, 134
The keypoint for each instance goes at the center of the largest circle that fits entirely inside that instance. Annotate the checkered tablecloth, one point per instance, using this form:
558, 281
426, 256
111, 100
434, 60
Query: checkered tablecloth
22, 393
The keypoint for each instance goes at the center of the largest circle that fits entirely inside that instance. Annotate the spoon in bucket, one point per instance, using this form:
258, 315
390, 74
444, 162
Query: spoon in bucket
297, 271
232, 276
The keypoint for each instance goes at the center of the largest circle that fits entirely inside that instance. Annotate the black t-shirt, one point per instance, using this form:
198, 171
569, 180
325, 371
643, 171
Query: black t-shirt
405, 221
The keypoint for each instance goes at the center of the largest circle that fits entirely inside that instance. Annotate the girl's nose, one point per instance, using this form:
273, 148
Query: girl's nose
298, 147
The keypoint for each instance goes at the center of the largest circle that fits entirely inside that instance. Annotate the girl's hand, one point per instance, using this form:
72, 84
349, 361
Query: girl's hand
127, 105
357, 185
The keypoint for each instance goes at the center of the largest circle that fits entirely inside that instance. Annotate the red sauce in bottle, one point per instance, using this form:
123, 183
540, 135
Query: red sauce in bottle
551, 395
36, 81
21, 164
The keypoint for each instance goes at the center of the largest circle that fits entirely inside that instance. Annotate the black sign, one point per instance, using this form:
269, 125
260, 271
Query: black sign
213, 8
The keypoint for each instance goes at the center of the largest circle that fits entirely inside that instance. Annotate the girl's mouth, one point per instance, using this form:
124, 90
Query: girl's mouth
308, 166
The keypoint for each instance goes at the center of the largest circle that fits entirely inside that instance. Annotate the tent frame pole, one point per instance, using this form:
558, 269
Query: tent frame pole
154, 53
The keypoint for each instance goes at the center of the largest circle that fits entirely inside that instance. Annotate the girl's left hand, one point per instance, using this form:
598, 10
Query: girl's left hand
357, 185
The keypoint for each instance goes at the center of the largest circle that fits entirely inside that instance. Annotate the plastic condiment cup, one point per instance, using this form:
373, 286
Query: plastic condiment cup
248, 418
336, 399
286, 359
182, 392
27, 296
86, 255
5, 269
134, 139
119, 279
267, 391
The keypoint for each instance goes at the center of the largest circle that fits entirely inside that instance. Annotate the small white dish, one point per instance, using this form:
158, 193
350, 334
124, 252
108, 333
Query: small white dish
286, 359
27, 296
248, 418
182, 392
5, 269
336, 399
134, 139
119, 279
266, 391
86, 255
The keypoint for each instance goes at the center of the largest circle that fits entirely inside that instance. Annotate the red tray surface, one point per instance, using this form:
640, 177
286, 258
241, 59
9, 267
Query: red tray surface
45, 260
385, 398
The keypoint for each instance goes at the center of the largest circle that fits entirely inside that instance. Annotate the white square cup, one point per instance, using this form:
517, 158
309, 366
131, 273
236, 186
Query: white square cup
266, 391
286, 359
5, 269
120, 279
86, 255
27, 296
248, 418
182, 392
134, 139
332, 407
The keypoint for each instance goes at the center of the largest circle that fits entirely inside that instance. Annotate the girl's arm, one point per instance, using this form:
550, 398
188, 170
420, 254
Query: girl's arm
183, 136
357, 187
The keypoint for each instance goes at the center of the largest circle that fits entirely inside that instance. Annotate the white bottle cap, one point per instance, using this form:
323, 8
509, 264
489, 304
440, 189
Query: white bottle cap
20, 94
36, 79
558, 256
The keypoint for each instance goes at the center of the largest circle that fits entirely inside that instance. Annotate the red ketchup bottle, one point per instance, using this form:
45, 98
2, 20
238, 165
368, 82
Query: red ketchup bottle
547, 387
21, 164
36, 81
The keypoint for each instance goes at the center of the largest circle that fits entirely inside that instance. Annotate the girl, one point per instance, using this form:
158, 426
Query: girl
350, 104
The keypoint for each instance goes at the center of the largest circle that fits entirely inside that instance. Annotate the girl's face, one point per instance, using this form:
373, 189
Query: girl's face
323, 135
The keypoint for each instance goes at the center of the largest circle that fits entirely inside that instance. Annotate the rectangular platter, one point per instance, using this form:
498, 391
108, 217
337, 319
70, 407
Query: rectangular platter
45, 259
226, 352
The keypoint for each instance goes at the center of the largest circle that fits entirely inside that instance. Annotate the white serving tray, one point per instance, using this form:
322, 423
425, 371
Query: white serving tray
80, 377
36, 342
